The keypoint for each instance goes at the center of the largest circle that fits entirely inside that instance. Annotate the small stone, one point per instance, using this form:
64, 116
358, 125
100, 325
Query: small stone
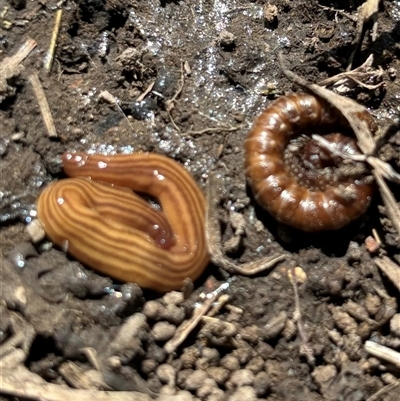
230, 362
173, 297
244, 393
35, 231
182, 377
343, 320
255, 364
240, 378
163, 331
207, 388
148, 366
244, 354
173, 314
270, 12
189, 357
211, 355
219, 374
395, 325
274, 326
372, 304
196, 380
226, 39
251, 334
166, 373
372, 245
262, 383
322, 375
152, 310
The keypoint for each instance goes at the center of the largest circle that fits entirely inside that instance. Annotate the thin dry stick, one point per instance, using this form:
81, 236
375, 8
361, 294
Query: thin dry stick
389, 201
362, 72
169, 104
10, 66
210, 130
213, 235
305, 347
43, 105
391, 269
146, 92
48, 60
186, 328
108, 97
383, 391
367, 12
382, 352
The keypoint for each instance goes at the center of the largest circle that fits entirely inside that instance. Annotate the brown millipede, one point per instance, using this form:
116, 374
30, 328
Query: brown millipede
296, 180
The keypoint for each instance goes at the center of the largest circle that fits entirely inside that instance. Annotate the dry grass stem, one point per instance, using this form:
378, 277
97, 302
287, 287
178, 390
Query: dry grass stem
10, 66
43, 105
359, 76
213, 235
48, 60
390, 269
186, 328
384, 353
367, 12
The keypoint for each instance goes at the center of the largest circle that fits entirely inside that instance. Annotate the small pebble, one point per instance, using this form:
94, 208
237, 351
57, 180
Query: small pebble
244, 393
166, 373
395, 325
230, 362
163, 331
173, 297
195, 380
207, 388
240, 378
152, 309
262, 383
255, 364
274, 326
219, 374
35, 231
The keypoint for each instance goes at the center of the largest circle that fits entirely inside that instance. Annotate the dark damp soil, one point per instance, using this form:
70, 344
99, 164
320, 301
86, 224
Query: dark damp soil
257, 347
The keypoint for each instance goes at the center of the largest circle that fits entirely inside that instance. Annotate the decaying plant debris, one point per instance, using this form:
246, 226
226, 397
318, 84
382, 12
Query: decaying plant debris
314, 321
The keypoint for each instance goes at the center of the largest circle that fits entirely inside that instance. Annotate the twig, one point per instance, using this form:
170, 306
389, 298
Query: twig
48, 60
349, 108
146, 92
382, 352
20, 382
169, 104
186, 328
367, 12
108, 97
341, 12
329, 146
362, 72
392, 208
305, 348
391, 270
383, 391
216, 129
43, 105
213, 235
10, 66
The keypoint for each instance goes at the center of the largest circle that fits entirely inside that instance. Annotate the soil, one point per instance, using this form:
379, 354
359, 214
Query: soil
257, 347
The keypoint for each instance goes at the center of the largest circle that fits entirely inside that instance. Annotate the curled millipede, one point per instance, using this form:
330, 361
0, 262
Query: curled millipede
300, 183
97, 218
